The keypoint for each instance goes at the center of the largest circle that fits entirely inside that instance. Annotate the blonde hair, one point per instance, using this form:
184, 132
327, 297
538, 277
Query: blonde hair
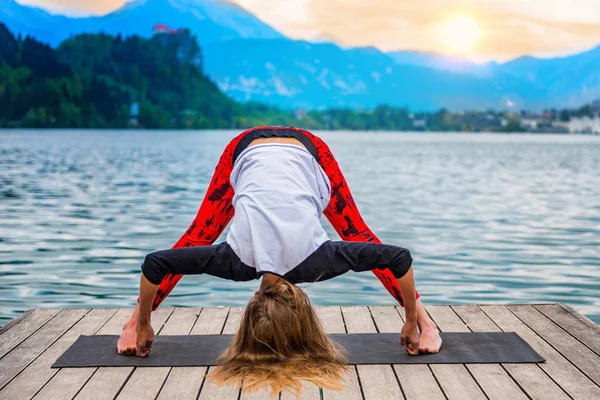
279, 343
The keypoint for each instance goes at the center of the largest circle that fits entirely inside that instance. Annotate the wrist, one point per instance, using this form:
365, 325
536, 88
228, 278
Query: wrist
411, 318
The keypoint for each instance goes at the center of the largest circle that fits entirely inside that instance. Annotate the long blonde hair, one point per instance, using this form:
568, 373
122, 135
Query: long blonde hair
279, 343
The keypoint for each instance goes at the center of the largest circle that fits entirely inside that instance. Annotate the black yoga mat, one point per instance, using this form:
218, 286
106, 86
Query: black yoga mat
362, 348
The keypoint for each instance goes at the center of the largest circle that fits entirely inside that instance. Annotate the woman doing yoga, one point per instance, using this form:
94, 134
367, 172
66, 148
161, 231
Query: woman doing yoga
274, 184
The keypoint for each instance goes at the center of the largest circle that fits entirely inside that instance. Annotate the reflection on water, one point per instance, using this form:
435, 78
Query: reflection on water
488, 218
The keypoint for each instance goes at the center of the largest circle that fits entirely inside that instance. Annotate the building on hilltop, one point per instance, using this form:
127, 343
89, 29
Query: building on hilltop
164, 29
187, 49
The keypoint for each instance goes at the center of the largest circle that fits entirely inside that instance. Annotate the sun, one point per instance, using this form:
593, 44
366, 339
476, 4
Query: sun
460, 32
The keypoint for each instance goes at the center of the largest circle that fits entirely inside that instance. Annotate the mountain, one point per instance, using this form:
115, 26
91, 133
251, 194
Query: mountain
302, 74
35, 22
438, 61
249, 60
570, 81
209, 20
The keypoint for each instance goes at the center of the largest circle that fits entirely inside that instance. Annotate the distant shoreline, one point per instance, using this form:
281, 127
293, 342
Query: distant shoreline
466, 133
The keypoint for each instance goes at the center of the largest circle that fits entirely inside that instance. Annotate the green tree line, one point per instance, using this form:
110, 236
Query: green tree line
91, 80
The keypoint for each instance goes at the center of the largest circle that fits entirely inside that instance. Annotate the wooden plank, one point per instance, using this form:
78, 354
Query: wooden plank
262, 394
586, 360
387, 319
181, 321
446, 319
185, 382
581, 317
333, 322
535, 382
68, 381
331, 319
15, 321
64, 385
560, 370
475, 319
494, 380
233, 320
411, 375
210, 321
146, 382
576, 326
310, 391
417, 381
377, 381
38, 373
455, 379
402, 313
106, 382
31, 323
26, 352
210, 390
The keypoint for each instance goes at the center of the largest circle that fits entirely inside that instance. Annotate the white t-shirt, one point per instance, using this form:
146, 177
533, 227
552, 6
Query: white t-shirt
280, 193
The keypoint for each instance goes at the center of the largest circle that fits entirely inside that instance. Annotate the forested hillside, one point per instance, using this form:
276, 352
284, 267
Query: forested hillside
92, 80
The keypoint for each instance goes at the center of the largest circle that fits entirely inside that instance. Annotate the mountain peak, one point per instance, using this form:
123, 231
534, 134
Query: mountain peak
233, 20
208, 20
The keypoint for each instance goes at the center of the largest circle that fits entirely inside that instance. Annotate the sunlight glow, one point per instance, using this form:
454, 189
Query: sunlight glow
460, 32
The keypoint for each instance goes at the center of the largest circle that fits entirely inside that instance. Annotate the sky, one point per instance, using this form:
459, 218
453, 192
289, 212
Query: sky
481, 30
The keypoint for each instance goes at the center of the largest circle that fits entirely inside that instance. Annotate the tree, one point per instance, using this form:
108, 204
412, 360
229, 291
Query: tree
42, 59
13, 83
513, 125
9, 47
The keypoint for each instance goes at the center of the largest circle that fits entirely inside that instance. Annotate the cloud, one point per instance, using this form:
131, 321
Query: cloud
288, 16
77, 7
509, 27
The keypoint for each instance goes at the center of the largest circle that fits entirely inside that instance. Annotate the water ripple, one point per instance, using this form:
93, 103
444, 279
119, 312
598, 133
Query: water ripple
488, 218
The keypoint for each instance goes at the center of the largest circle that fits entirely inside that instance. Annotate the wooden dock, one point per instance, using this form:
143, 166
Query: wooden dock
567, 340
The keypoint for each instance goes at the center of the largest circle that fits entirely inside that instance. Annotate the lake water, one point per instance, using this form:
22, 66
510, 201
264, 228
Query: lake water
488, 218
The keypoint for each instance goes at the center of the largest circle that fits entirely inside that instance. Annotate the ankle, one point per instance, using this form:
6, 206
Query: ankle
130, 325
427, 326
132, 322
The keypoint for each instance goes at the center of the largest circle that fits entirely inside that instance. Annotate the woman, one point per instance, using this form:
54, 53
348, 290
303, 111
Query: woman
279, 181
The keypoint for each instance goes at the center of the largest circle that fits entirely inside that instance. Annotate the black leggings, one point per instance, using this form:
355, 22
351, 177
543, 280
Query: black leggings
331, 259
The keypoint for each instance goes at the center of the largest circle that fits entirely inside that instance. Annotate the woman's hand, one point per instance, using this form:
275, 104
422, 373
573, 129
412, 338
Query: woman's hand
145, 337
409, 337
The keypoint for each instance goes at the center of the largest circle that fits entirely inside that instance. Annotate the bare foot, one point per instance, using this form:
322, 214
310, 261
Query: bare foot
127, 342
430, 342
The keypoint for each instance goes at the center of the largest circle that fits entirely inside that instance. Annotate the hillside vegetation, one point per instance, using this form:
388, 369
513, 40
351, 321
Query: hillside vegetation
91, 81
